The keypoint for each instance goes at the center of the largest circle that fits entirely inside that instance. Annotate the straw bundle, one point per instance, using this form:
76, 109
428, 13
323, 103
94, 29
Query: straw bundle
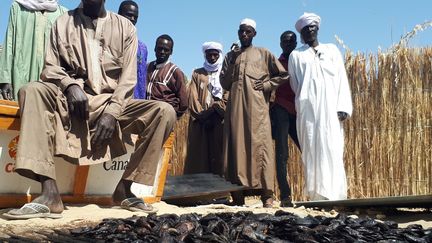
388, 140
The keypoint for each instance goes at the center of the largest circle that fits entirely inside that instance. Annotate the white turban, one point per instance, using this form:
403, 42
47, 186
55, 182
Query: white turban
249, 22
212, 45
214, 69
39, 5
307, 19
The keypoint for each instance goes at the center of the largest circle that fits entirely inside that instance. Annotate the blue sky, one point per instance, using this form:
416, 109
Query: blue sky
364, 26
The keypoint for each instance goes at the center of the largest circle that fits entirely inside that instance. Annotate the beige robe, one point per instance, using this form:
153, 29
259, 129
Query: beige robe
248, 147
204, 154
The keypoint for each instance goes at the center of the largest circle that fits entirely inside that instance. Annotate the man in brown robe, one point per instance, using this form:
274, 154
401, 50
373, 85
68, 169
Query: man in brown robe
207, 102
83, 105
250, 74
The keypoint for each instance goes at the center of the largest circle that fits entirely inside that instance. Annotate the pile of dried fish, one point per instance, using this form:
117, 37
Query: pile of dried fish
245, 227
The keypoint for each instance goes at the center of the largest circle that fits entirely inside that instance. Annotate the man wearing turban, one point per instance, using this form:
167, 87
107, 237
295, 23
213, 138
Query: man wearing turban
207, 109
323, 102
250, 74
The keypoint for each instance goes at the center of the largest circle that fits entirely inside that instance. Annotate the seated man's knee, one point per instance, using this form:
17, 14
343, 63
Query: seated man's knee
31, 88
167, 112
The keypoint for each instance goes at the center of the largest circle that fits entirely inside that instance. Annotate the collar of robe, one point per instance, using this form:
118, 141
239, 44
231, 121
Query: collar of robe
161, 65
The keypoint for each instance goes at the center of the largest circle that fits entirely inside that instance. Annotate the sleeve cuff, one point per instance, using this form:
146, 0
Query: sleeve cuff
267, 86
220, 111
66, 82
113, 109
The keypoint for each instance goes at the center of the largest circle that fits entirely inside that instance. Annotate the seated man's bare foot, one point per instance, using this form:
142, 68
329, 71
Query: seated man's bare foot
54, 203
42, 207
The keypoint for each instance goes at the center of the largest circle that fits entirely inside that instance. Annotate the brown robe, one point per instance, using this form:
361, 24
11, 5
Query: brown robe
248, 146
204, 154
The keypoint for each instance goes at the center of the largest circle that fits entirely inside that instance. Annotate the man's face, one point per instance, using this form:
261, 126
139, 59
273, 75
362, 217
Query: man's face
309, 33
246, 34
288, 43
163, 50
92, 8
130, 12
212, 55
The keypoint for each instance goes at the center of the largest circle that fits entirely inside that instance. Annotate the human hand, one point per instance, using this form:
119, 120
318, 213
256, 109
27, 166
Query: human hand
211, 122
258, 85
235, 52
77, 102
105, 128
204, 115
6, 91
235, 46
342, 115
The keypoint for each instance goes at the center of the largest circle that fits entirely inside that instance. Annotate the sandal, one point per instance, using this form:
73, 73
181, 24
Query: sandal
135, 204
31, 211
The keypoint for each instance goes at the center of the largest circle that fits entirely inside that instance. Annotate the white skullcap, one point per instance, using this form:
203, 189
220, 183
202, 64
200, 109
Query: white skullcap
307, 19
249, 22
212, 45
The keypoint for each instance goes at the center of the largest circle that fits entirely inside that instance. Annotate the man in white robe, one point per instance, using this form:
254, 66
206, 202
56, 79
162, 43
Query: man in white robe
323, 101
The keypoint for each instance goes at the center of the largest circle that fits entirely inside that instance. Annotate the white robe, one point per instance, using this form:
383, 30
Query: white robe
321, 86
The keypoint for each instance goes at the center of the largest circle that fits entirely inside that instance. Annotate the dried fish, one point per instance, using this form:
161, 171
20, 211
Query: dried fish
241, 227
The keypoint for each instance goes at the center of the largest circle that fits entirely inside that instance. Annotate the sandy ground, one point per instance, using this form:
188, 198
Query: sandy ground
79, 215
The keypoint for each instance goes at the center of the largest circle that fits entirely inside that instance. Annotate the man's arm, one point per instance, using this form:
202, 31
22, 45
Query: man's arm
127, 81
294, 82
144, 64
106, 125
55, 72
226, 75
55, 69
140, 87
344, 101
180, 92
195, 107
278, 74
220, 105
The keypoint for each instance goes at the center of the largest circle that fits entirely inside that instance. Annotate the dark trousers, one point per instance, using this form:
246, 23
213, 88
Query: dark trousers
283, 124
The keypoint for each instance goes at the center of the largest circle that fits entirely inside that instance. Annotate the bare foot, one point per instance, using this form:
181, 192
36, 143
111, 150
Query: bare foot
122, 191
268, 203
50, 195
54, 203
